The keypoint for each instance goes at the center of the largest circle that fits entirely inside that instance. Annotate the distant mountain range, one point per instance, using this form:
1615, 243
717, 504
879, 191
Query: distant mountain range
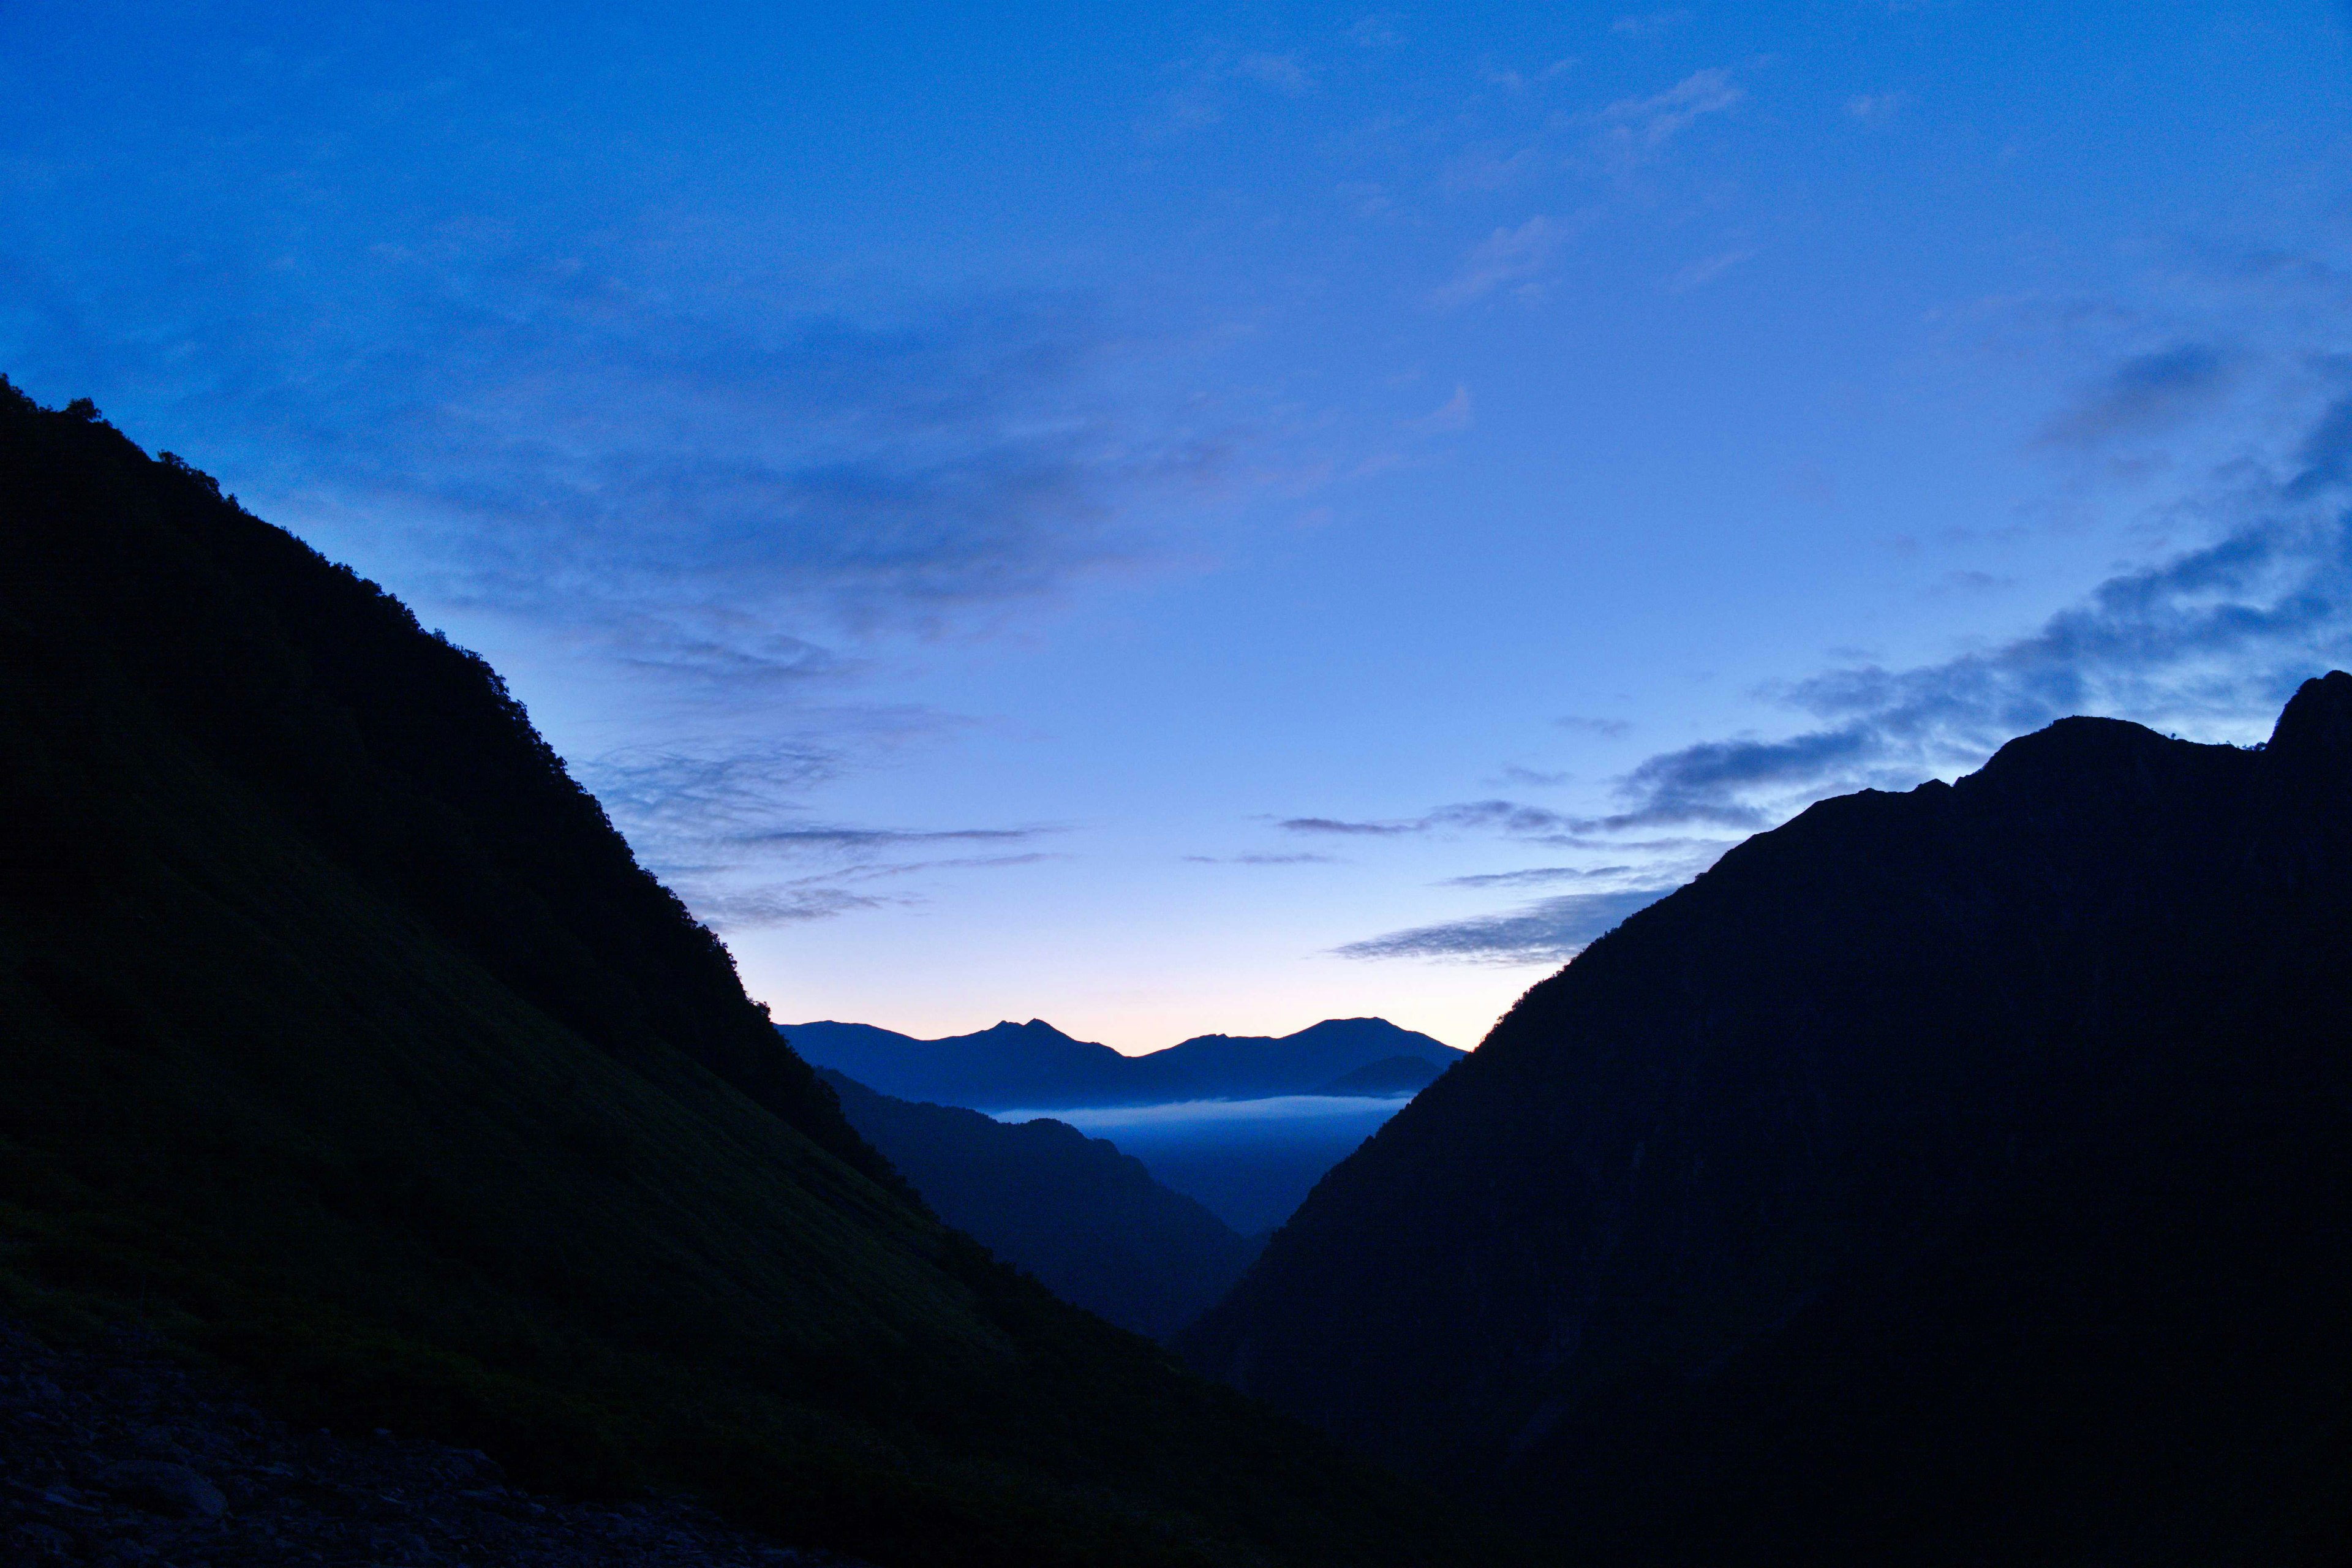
1035, 1066
1090, 1222
1955, 1176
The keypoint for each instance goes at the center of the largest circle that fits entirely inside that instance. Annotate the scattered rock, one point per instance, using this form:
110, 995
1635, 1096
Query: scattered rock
163, 1487
116, 1456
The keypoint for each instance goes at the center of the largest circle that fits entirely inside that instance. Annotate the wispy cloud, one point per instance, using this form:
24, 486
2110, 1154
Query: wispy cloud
859, 840
1307, 859
1707, 269
1350, 829
1650, 25
1538, 876
2145, 393
728, 829
2209, 636
1549, 931
1647, 125
1513, 258
1453, 416
1281, 72
752, 907
713, 482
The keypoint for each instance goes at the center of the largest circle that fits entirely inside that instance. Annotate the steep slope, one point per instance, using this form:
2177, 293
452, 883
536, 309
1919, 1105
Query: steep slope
1953, 1176
343, 1040
1035, 1066
1090, 1222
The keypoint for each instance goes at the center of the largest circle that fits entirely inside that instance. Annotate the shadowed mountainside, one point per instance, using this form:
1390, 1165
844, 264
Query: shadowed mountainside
1952, 1176
1033, 1065
344, 1041
1090, 1222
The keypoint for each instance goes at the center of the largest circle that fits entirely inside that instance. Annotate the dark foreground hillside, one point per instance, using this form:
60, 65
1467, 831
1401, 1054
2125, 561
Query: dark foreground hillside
1090, 1222
1962, 1176
344, 1043
112, 1453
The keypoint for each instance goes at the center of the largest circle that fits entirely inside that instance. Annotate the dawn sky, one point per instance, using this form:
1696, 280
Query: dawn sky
1182, 518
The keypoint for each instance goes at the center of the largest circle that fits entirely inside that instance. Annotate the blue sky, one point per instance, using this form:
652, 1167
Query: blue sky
1200, 518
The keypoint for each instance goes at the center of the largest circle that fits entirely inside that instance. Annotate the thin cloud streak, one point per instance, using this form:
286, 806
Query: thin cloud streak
1552, 930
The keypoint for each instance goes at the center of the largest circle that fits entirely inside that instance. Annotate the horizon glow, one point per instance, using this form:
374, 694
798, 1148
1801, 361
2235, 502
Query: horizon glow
1204, 519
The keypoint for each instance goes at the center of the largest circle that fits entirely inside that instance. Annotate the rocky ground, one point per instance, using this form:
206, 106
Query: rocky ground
113, 1455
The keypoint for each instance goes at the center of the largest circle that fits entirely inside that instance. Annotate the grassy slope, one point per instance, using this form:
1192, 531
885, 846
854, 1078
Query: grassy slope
343, 1041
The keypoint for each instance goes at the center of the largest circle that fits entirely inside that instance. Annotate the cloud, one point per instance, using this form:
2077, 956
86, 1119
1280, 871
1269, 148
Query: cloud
1607, 729
1647, 125
709, 480
1876, 107
1309, 859
1538, 875
860, 839
1549, 931
1281, 72
1528, 823
2213, 639
1360, 829
755, 908
718, 824
1654, 24
1450, 417
2323, 461
1707, 269
1703, 782
2145, 393
1505, 258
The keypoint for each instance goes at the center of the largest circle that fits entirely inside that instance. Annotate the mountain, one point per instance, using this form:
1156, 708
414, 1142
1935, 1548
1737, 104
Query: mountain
1962, 1176
346, 1046
1035, 1066
1030, 1064
1388, 1076
1090, 1222
1247, 1067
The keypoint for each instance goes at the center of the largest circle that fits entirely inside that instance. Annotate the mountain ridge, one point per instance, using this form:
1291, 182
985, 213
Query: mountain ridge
1035, 1066
1979, 1141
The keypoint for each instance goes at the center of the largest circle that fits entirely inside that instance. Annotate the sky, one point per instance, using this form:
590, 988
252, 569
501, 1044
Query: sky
1197, 518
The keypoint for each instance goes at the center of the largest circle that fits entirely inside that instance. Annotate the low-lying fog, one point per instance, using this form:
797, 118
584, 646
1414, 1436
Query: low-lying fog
1251, 1162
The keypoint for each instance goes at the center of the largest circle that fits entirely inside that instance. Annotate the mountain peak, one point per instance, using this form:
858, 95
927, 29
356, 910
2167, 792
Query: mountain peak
2315, 729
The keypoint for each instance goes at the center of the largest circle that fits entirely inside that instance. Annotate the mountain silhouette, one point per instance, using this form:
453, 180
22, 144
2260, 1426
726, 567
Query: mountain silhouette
1034, 1065
344, 1044
1962, 1176
1090, 1222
